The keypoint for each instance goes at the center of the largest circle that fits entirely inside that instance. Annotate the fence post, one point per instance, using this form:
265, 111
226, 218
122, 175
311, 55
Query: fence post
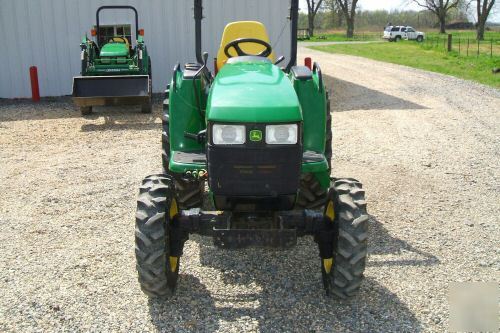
449, 42
478, 41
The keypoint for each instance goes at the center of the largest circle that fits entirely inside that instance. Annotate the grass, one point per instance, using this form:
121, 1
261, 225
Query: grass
340, 35
464, 34
411, 54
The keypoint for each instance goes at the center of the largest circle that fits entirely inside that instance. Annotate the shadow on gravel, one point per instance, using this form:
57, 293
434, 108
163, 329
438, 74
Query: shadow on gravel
400, 252
275, 291
190, 309
121, 119
347, 96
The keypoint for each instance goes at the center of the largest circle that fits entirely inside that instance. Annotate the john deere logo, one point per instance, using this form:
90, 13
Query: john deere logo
255, 135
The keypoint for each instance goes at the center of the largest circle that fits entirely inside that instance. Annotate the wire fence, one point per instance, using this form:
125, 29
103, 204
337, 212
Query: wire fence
466, 47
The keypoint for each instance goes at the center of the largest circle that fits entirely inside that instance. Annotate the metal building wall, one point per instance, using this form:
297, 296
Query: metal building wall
47, 34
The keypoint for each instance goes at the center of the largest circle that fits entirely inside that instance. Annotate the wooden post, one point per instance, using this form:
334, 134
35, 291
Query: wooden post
450, 39
478, 41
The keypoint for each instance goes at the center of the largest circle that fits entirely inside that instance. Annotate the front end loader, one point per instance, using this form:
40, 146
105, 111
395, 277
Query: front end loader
113, 71
258, 136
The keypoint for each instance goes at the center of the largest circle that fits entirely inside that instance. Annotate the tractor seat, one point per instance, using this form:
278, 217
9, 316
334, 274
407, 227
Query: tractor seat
243, 29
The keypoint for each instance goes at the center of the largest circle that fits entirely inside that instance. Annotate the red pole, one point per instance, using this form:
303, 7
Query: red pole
35, 91
308, 62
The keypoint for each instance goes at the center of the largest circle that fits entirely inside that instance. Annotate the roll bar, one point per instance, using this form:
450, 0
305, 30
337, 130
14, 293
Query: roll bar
117, 7
294, 18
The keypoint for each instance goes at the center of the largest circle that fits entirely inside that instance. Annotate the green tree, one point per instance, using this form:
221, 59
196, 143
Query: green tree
440, 8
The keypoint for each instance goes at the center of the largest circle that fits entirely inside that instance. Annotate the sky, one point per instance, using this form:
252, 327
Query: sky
395, 4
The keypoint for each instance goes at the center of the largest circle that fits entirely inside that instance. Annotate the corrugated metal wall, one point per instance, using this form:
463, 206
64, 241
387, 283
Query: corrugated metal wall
47, 34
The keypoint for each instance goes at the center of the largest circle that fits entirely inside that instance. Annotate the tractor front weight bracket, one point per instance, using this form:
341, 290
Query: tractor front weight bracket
241, 230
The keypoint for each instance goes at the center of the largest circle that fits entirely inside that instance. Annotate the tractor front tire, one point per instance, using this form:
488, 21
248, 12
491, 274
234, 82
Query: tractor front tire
350, 238
85, 110
157, 278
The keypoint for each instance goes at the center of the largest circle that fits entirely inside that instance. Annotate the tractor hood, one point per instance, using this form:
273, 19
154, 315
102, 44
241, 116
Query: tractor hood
252, 90
114, 50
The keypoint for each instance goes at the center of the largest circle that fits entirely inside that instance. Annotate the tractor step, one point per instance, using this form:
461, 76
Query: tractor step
243, 238
111, 90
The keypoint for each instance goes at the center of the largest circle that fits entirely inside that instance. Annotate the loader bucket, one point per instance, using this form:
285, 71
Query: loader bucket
111, 90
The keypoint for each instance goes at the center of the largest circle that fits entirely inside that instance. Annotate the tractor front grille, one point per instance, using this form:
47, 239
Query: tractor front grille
265, 171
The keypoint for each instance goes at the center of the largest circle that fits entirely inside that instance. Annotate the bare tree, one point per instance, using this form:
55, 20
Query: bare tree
440, 8
336, 12
348, 7
484, 8
312, 9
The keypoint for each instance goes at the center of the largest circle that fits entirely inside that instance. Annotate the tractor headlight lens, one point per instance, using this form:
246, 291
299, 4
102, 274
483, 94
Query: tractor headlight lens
282, 134
228, 134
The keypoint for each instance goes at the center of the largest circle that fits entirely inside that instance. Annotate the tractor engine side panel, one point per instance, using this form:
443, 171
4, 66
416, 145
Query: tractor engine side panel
312, 97
184, 114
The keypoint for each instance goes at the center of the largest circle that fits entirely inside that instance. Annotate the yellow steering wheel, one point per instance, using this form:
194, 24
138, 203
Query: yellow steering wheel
119, 40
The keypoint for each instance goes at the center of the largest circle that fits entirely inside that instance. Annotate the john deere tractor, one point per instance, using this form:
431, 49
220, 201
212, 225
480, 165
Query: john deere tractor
258, 137
113, 71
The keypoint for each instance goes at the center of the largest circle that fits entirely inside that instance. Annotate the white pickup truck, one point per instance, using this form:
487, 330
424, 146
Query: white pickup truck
396, 33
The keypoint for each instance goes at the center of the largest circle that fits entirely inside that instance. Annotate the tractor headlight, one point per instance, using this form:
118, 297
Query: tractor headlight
228, 134
282, 134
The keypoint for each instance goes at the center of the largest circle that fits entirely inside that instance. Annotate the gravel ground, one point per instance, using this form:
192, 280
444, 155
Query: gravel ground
426, 146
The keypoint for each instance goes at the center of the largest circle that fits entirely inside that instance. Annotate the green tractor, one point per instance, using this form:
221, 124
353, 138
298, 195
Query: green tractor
113, 71
258, 137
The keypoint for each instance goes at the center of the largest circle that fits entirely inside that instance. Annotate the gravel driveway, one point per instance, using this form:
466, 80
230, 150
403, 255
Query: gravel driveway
426, 146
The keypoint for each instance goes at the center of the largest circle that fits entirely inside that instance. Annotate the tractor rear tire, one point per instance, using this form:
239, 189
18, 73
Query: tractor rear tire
350, 243
152, 244
189, 193
311, 195
165, 143
85, 110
